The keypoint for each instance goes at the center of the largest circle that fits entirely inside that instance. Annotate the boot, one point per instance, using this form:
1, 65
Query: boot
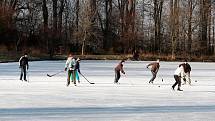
173, 88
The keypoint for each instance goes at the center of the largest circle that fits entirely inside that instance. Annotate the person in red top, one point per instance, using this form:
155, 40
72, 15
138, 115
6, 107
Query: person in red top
119, 68
154, 69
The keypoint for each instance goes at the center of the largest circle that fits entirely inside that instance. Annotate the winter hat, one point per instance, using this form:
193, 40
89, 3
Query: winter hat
26, 55
158, 60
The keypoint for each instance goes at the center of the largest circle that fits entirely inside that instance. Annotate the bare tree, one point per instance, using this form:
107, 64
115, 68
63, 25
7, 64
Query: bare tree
158, 6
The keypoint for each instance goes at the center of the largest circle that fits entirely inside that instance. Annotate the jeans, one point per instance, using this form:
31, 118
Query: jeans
178, 81
71, 75
153, 76
117, 76
23, 71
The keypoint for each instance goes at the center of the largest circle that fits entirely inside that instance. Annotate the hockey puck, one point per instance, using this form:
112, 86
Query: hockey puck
196, 81
158, 86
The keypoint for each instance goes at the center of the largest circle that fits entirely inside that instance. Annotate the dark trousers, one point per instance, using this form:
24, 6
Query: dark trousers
23, 71
117, 76
154, 74
178, 81
71, 73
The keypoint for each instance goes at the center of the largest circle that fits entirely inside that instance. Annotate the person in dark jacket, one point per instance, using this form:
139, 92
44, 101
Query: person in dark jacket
187, 70
77, 69
119, 68
154, 69
23, 65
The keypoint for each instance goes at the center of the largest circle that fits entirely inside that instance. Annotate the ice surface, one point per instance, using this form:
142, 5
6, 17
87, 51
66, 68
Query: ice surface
48, 99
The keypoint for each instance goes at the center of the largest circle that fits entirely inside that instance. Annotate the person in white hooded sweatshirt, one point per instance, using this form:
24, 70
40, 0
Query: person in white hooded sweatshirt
70, 67
179, 73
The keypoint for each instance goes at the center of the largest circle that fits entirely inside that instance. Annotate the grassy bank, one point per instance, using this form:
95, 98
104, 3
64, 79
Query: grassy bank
144, 57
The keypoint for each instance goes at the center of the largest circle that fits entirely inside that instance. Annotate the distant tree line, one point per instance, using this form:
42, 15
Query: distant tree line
170, 27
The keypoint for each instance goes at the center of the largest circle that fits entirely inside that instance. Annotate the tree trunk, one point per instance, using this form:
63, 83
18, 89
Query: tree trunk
77, 14
158, 6
108, 12
203, 26
45, 23
174, 20
60, 16
189, 47
93, 8
54, 32
83, 43
54, 7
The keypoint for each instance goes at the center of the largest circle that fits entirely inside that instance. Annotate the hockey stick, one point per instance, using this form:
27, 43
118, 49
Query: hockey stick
54, 74
129, 80
86, 79
27, 73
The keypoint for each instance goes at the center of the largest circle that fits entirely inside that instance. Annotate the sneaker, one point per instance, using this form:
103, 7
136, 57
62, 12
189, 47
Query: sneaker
180, 90
116, 83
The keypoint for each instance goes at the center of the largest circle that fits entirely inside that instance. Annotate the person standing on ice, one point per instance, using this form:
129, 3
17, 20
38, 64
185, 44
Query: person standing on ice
154, 69
179, 73
117, 69
187, 70
23, 65
77, 69
70, 67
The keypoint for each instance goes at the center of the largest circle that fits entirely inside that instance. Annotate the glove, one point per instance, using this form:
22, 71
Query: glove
65, 69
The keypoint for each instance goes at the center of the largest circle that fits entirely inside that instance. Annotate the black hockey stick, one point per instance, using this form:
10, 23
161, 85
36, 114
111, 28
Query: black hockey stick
86, 79
54, 74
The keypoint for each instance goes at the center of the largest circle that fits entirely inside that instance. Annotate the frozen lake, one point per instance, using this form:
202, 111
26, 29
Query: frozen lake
48, 99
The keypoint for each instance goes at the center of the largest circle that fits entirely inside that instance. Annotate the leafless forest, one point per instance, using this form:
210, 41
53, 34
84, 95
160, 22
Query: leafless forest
160, 27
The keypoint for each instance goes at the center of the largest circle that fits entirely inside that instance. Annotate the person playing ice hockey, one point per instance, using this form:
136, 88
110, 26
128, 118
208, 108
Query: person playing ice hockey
187, 70
77, 69
117, 69
179, 73
23, 65
154, 69
70, 67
